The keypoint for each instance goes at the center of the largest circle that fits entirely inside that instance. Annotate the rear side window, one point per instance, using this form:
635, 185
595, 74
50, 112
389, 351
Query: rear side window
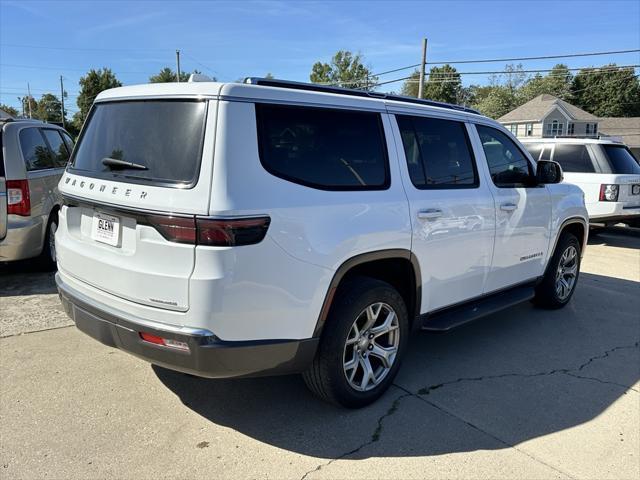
534, 149
323, 148
58, 147
68, 140
573, 158
163, 137
438, 153
620, 159
508, 165
35, 151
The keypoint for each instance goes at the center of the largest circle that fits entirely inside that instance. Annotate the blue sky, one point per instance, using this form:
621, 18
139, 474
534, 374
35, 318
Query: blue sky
250, 38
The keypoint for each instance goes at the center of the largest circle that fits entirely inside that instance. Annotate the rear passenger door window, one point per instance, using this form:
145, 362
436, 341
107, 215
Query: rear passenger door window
573, 158
323, 148
35, 151
508, 165
438, 153
58, 147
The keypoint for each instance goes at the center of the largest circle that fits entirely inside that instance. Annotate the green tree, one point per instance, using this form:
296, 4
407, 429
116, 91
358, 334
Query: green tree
94, 82
269, 76
345, 69
557, 82
608, 91
49, 108
442, 85
495, 101
10, 110
167, 75
29, 101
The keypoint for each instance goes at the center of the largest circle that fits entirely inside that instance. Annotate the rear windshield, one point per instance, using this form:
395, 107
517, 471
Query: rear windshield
620, 159
162, 137
534, 149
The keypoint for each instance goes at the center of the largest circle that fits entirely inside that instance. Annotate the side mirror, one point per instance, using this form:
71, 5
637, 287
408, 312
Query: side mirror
548, 172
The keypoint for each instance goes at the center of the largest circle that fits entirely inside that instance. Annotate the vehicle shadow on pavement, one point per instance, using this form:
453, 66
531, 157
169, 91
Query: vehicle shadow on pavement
25, 277
515, 376
622, 237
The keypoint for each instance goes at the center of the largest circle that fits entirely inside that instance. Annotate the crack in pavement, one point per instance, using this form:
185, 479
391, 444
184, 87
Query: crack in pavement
421, 393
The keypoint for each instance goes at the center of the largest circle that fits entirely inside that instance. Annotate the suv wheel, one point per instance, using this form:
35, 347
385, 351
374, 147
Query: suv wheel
561, 277
363, 342
48, 255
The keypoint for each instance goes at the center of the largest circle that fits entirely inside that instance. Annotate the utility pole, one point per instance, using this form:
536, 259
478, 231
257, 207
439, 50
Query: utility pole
29, 99
178, 63
422, 67
62, 100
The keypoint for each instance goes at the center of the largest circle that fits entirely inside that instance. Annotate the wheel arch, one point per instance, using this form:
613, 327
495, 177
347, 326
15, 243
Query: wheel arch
398, 267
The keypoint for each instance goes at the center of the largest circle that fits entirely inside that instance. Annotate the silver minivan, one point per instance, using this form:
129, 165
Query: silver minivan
33, 156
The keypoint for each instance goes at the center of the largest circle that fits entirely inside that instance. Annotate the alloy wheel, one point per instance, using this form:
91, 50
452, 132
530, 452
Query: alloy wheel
567, 272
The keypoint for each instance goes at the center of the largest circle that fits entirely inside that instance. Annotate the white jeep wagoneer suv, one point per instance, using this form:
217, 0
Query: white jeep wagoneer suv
274, 227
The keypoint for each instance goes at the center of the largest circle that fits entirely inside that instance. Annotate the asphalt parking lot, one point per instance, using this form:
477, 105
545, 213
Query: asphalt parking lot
526, 393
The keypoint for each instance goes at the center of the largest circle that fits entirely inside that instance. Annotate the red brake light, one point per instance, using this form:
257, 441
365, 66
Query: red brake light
231, 232
18, 199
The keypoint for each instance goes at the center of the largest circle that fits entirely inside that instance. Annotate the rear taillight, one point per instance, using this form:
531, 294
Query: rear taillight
18, 200
609, 193
231, 232
175, 229
213, 232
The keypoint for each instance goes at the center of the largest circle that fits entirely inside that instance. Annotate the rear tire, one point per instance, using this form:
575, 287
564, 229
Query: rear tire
47, 258
363, 342
560, 279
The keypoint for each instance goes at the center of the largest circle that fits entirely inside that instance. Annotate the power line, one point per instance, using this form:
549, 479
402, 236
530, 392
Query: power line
83, 49
198, 62
66, 68
495, 60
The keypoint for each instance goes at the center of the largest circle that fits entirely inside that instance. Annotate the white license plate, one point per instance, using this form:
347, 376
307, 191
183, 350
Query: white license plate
105, 229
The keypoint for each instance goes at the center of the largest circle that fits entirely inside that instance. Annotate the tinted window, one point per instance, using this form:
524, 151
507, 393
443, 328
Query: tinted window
35, 150
534, 149
323, 148
58, 147
507, 164
573, 158
620, 159
164, 136
68, 140
438, 152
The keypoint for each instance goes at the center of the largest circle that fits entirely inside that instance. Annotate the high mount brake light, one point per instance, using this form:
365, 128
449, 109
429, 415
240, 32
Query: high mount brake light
18, 199
217, 232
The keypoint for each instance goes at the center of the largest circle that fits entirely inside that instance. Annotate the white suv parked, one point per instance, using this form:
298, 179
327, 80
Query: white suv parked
605, 170
274, 227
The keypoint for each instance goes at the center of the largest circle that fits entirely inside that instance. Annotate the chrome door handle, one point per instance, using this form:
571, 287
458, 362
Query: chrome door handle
429, 214
508, 207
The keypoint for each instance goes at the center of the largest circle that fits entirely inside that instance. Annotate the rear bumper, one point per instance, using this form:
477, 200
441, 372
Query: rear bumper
24, 238
615, 212
208, 356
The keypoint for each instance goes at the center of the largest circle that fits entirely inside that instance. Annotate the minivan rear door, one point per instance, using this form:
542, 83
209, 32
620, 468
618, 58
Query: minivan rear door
139, 174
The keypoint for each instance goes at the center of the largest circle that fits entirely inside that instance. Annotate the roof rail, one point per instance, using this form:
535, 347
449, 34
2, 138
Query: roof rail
268, 82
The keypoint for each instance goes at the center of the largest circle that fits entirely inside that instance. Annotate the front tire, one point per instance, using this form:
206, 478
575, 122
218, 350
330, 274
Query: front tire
560, 279
363, 342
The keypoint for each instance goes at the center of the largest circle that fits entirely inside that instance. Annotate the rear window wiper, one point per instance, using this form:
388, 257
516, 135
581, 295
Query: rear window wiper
115, 163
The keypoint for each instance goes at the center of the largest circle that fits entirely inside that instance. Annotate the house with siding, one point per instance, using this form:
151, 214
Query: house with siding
548, 116
626, 129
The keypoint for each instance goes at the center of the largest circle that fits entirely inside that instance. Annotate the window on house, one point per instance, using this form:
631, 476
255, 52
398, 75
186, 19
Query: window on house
555, 128
528, 128
592, 128
570, 128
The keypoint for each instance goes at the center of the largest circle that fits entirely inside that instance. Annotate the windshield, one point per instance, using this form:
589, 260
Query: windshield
621, 160
163, 136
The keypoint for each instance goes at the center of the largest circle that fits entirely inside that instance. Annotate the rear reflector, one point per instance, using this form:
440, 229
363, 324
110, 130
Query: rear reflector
164, 342
216, 232
18, 199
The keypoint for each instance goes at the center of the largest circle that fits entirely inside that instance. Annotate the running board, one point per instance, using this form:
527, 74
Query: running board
453, 317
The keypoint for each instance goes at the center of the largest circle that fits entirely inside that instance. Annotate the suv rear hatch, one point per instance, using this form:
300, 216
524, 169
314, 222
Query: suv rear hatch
626, 169
3, 191
131, 192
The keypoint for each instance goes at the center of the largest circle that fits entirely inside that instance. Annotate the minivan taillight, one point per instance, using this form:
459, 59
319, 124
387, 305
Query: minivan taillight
212, 232
18, 199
